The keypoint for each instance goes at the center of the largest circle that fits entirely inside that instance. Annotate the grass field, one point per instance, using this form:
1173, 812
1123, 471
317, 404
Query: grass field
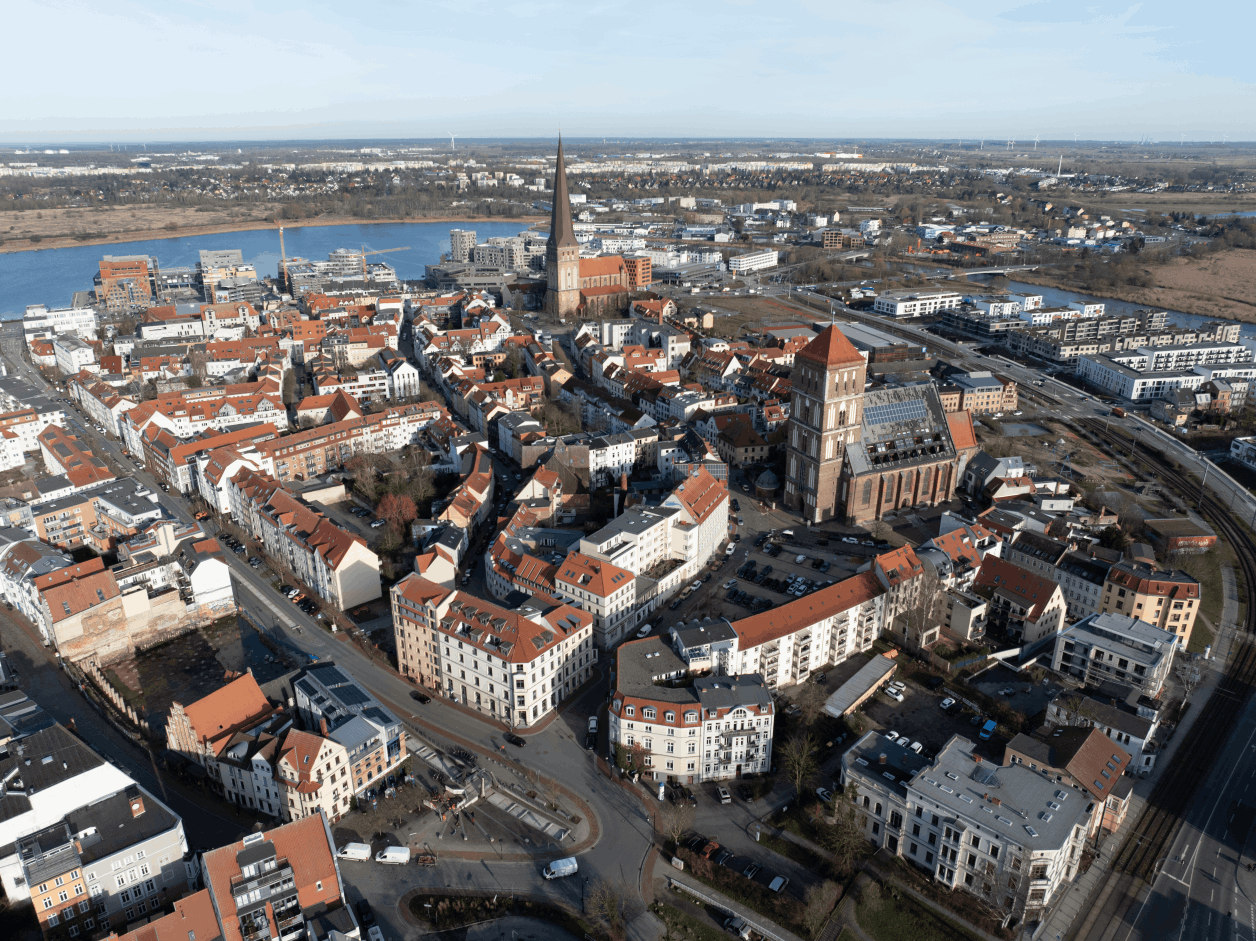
905, 919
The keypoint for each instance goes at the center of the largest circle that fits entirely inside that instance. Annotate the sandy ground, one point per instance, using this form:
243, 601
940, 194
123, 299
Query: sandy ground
1222, 284
59, 228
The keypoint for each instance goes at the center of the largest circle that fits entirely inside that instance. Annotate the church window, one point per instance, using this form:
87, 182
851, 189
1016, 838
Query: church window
811, 476
843, 417
828, 449
867, 492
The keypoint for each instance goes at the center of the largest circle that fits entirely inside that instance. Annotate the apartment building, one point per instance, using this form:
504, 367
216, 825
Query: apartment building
1080, 577
373, 739
102, 402
753, 261
64, 455
105, 865
1084, 759
1027, 607
22, 561
74, 355
281, 884
1165, 599
710, 728
606, 591
1008, 835
915, 303
787, 644
1109, 646
40, 323
335, 563
184, 415
516, 666
181, 462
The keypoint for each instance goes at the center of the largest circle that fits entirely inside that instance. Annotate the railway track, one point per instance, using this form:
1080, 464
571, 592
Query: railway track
1155, 828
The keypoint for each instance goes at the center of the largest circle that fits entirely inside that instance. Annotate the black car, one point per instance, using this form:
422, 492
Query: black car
366, 917
736, 537
744, 792
674, 605
730, 594
590, 740
514, 739
767, 570
816, 563
758, 579
761, 540
696, 843
420, 697
736, 505
934, 682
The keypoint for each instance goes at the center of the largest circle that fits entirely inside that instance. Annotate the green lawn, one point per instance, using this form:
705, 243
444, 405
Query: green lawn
905, 919
681, 924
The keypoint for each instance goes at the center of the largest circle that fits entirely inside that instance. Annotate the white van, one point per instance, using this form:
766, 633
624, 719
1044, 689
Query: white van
560, 868
394, 855
359, 851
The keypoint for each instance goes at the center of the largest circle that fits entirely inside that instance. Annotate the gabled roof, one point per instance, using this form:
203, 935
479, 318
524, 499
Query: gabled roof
215, 717
1032, 591
807, 610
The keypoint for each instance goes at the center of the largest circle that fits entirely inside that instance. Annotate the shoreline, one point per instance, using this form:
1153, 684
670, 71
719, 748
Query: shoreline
1218, 309
145, 235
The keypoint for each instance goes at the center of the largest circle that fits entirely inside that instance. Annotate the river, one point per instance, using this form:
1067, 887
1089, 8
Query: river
1057, 297
52, 275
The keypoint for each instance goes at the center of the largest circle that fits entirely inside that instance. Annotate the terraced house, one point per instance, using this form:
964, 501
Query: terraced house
336, 564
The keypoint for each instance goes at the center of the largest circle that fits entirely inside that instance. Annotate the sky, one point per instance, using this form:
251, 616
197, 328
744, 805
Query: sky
166, 70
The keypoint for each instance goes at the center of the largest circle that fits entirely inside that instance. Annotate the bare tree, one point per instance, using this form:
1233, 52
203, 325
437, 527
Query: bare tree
810, 700
605, 903
925, 610
844, 837
797, 759
675, 820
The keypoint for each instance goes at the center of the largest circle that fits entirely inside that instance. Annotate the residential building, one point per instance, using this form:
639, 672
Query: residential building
1084, 759
710, 728
1008, 835
281, 884
342, 710
335, 563
1167, 599
74, 355
912, 302
40, 323
1116, 647
1024, 606
753, 261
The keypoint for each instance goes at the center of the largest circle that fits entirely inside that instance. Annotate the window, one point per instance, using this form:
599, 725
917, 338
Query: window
53, 919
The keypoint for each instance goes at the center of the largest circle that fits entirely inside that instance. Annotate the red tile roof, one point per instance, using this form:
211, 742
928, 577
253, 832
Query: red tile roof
807, 610
214, 718
962, 432
831, 348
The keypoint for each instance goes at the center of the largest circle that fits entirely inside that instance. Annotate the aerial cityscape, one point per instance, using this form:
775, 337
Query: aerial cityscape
770, 521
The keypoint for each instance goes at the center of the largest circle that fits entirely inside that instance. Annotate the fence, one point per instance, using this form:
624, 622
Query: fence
724, 905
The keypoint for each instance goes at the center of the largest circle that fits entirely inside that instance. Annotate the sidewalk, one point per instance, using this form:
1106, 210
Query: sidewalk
1075, 898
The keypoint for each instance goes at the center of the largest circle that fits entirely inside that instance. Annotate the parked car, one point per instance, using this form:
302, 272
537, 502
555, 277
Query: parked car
894, 695
752, 870
745, 793
824, 794
420, 697
365, 915
514, 739
777, 884
725, 796
947, 704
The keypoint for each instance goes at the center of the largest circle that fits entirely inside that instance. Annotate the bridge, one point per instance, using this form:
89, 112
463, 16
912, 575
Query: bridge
1004, 270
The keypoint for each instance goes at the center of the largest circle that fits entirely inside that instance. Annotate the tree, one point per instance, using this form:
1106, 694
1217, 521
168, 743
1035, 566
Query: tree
820, 901
198, 360
810, 700
512, 366
363, 471
397, 510
674, 820
289, 387
797, 759
1113, 538
605, 903
926, 610
844, 837
422, 487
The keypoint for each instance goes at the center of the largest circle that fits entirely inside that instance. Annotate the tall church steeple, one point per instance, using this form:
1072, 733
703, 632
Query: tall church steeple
562, 251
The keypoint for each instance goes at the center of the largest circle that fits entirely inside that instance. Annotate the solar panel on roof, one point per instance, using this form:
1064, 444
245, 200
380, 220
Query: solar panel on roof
894, 412
351, 695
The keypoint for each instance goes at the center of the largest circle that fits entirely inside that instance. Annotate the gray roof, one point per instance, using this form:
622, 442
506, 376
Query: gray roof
20, 716
1137, 639
117, 827
1033, 811
729, 692
901, 427
707, 631
1092, 570
1040, 547
640, 663
863, 759
869, 676
55, 756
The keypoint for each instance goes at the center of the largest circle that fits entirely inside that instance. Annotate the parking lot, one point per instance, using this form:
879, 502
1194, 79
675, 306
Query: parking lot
1004, 683
343, 515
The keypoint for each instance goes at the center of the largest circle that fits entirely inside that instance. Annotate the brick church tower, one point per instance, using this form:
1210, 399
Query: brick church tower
562, 251
825, 415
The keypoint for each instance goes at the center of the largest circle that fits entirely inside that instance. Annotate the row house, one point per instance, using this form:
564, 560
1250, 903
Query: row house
179, 462
710, 729
102, 402
516, 666
336, 564
1028, 608
185, 416
1081, 577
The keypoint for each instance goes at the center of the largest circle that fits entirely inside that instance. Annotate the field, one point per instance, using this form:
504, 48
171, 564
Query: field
736, 314
59, 228
1221, 284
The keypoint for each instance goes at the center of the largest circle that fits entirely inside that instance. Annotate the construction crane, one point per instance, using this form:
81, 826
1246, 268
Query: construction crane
382, 251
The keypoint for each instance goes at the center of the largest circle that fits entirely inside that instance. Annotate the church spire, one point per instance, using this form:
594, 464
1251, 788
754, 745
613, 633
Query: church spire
562, 233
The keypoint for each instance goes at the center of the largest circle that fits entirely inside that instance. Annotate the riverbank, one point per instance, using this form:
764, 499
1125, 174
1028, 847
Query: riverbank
1221, 285
75, 228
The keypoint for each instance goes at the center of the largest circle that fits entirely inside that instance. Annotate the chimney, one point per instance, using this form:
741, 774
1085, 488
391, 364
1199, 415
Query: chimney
977, 758
322, 726
997, 801
881, 758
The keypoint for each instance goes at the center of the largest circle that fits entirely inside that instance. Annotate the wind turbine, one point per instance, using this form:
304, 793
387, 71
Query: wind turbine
1035, 142
452, 145
1010, 143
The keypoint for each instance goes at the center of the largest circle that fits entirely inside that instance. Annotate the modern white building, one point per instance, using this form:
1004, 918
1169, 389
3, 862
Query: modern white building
73, 355
915, 303
1115, 647
753, 261
40, 323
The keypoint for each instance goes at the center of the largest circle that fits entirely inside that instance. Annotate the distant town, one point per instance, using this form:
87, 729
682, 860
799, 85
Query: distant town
704, 561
